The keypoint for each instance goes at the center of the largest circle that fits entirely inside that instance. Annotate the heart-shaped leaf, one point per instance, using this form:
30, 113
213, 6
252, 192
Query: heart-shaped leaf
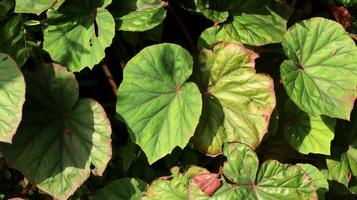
12, 97
321, 75
138, 15
308, 134
237, 103
59, 136
36, 6
273, 181
122, 189
159, 108
78, 33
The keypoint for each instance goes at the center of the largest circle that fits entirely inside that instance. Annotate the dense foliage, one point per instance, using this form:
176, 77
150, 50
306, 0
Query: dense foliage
178, 99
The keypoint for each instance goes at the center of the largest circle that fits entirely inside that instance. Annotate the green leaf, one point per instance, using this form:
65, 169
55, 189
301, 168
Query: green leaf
5, 7
238, 102
138, 15
308, 134
321, 75
318, 179
36, 6
175, 187
78, 33
122, 189
254, 22
338, 167
273, 181
12, 97
213, 35
59, 136
352, 159
217, 14
160, 109
13, 40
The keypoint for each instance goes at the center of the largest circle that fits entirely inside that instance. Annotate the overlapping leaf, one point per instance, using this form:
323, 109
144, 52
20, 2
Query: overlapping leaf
138, 15
177, 186
321, 75
237, 103
60, 137
254, 22
159, 108
273, 181
122, 189
12, 97
36, 6
78, 33
318, 179
308, 134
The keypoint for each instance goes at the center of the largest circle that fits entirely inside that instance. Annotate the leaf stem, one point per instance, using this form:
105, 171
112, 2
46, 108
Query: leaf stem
110, 78
183, 29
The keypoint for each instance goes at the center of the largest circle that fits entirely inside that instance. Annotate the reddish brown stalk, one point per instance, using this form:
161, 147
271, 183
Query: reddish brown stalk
110, 78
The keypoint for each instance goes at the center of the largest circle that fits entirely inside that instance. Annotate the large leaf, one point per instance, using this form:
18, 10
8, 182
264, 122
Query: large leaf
308, 134
13, 40
160, 109
213, 35
138, 15
122, 189
253, 22
321, 75
318, 178
12, 97
36, 6
238, 102
273, 181
78, 33
60, 137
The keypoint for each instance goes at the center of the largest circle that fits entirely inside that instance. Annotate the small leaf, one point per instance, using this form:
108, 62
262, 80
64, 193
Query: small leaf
13, 40
59, 136
122, 189
308, 134
321, 75
78, 33
139, 15
160, 109
237, 103
352, 159
217, 14
12, 97
36, 6
338, 167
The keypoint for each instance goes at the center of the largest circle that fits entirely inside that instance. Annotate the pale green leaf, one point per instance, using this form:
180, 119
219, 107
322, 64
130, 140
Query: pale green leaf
60, 137
321, 75
213, 10
138, 15
12, 97
308, 134
238, 102
352, 159
122, 189
36, 6
78, 33
159, 108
